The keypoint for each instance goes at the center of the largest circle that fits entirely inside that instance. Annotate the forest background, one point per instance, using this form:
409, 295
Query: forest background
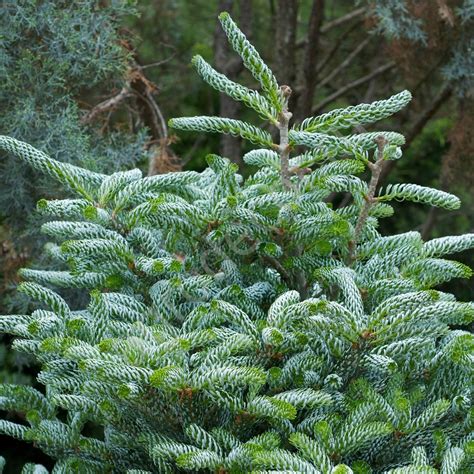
94, 83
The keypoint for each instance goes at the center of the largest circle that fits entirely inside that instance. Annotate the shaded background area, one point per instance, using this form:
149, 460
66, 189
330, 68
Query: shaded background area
94, 83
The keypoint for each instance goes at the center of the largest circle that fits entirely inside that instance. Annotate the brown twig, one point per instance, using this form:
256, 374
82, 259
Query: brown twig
190, 153
158, 114
279, 267
160, 63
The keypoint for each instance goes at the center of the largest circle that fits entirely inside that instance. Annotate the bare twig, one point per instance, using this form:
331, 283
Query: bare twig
335, 23
376, 169
345, 200
162, 158
160, 63
279, 267
332, 52
443, 95
362, 80
158, 123
190, 153
343, 19
350, 57
159, 115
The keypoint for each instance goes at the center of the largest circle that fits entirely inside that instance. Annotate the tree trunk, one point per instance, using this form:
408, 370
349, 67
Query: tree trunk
305, 100
285, 40
230, 147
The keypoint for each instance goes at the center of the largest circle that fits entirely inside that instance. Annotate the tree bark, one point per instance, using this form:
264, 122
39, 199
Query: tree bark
285, 40
335, 48
230, 147
305, 100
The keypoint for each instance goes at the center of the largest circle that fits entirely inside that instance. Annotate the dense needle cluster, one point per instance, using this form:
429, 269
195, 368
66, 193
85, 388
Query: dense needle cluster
247, 326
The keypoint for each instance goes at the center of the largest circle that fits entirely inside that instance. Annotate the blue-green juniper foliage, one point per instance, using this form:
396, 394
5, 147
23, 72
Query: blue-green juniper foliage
247, 326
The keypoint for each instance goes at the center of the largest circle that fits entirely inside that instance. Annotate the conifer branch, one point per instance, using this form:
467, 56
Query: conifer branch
376, 169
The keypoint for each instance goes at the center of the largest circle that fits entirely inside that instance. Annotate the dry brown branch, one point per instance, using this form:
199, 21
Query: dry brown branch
160, 63
107, 105
162, 158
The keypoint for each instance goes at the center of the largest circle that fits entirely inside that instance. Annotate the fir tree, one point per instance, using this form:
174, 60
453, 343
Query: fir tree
240, 326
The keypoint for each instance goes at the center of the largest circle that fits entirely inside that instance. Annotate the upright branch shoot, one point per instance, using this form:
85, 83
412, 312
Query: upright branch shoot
376, 169
284, 147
